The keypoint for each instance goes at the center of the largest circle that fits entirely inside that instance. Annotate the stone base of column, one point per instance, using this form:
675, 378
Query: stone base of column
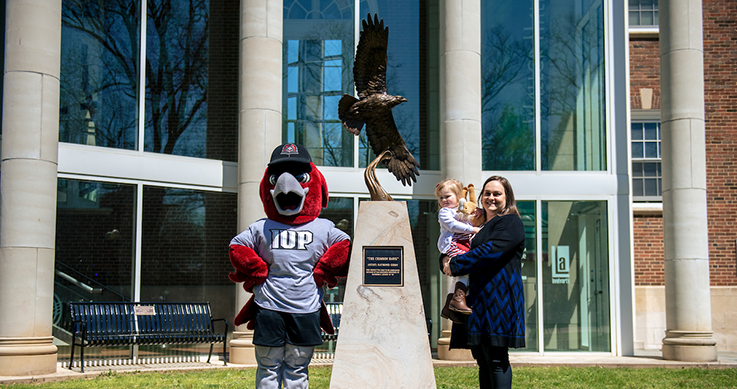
446, 354
242, 350
20, 357
690, 346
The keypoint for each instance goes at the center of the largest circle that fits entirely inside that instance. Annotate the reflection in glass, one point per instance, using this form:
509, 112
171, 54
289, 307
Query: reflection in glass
529, 274
575, 276
176, 77
99, 73
95, 235
572, 100
507, 85
402, 73
423, 221
94, 239
318, 50
184, 253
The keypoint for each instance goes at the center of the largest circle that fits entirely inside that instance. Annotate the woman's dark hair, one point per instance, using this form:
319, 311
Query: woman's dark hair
510, 205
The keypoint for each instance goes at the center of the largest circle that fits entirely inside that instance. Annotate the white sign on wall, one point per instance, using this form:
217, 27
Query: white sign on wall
561, 264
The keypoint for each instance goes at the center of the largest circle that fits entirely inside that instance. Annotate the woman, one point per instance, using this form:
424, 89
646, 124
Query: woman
495, 288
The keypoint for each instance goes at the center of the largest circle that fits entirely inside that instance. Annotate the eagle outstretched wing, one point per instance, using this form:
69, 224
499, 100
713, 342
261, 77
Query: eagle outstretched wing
373, 106
369, 66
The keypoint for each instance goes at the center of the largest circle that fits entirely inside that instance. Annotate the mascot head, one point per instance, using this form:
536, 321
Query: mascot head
292, 190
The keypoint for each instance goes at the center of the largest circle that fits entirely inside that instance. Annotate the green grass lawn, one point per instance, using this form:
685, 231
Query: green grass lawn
446, 377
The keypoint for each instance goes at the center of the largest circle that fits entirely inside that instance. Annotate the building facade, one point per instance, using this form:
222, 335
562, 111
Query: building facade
135, 135
645, 102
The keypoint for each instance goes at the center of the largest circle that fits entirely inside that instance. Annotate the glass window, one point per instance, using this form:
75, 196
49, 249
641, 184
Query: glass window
191, 96
507, 85
318, 52
575, 276
423, 220
647, 179
185, 71
99, 73
176, 77
402, 73
184, 253
340, 212
529, 274
319, 47
643, 12
95, 250
95, 237
572, 95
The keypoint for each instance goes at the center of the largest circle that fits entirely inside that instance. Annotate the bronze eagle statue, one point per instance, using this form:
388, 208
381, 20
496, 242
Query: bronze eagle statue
373, 107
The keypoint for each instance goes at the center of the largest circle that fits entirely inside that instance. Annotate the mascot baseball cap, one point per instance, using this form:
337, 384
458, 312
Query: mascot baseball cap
291, 153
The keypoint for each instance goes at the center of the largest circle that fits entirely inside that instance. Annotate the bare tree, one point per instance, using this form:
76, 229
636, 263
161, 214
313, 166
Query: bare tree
108, 38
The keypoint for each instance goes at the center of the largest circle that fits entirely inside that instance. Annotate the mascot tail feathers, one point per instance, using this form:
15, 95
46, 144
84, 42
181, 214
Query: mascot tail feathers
333, 264
247, 314
325, 323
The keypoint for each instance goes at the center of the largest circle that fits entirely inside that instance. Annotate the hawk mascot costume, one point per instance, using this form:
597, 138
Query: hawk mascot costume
285, 260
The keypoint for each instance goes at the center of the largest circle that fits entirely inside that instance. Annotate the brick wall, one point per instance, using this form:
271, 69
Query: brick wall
720, 89
648, 229
644, 71
648, 232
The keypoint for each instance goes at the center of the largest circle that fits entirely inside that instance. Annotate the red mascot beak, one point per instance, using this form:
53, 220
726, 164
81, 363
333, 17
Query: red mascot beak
288, 194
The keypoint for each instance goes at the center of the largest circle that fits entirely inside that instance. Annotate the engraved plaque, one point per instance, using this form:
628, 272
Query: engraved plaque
383, 266
141, 310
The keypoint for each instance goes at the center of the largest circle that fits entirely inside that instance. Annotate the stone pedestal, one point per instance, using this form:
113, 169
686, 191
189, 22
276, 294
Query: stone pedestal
242, 351
690, 346
446, 354
383, 340
27, 356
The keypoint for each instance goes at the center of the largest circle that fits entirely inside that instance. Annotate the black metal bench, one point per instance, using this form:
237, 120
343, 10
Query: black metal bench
97, 324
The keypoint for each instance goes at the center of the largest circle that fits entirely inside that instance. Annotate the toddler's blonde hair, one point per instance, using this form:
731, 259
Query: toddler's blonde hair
453, 185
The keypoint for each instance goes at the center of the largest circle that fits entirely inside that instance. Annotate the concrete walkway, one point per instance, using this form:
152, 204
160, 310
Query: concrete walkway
642, 359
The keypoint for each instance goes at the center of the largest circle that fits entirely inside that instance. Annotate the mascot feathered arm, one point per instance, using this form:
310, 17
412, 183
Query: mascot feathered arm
333, 264
250, 269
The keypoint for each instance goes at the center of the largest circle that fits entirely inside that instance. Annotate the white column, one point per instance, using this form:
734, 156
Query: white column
689, 335
259, 126
460, 110
30, 132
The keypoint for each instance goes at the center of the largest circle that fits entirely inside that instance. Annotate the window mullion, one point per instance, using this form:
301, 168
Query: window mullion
142, 81
538, 120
